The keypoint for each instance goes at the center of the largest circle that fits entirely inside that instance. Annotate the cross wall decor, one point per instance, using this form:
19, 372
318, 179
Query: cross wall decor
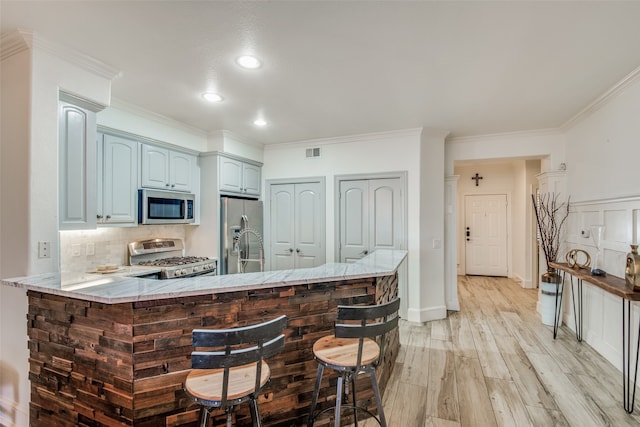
477, 178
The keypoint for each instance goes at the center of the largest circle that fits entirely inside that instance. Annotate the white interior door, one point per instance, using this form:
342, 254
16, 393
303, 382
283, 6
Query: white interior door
296, 225
486, 235
370, 217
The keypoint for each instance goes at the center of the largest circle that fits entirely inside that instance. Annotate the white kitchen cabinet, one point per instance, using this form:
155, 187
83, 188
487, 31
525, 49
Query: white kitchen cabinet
117, 180
166, 169
76, 174
239, 177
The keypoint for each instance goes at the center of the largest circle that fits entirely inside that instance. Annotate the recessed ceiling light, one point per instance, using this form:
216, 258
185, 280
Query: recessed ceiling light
260, 122
250, 62
212, 97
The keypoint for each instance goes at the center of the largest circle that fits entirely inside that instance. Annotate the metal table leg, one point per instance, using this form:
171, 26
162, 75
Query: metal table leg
628, 381
577, 312
558, 311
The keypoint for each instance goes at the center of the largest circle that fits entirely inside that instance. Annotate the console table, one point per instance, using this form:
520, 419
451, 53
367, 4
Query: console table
617, 286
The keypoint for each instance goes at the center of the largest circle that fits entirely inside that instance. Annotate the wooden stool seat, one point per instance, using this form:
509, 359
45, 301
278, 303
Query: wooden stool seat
344, 351
228, 367
206, 384
351, 351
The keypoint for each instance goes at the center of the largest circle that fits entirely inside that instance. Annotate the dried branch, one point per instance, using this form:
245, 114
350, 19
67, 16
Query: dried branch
550, 216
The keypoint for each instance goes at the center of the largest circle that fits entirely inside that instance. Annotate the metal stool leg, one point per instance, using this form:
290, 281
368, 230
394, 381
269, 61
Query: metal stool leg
339, 391
316, 392
204, 416
376, 390
355, 402
256, 421
229, 416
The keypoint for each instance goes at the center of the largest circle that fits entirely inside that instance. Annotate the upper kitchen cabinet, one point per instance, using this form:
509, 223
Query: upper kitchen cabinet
238, 176
117, 180
167, 169
76, 165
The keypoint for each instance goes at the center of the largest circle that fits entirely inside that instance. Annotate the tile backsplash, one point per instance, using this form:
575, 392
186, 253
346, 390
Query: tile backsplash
109, 244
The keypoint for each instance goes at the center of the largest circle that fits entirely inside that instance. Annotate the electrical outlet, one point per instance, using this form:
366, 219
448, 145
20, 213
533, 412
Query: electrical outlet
75, 249
91, 248
44, 249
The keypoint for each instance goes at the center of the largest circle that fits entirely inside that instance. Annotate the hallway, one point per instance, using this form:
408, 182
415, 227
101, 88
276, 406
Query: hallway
495, 364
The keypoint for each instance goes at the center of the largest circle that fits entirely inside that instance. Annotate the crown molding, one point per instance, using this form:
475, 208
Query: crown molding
15, 42
602, 100
505, 135
375, 136
19, 40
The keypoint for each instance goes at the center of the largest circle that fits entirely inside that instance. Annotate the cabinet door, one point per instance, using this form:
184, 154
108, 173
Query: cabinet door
155, 167
309, 225
77, 172
370, 217
251, 175
296, 225
180, 168
230, 175
120, 183
100, 178
282, 227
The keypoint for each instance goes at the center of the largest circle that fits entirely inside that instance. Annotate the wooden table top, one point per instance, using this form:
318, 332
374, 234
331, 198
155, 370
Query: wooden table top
612, 284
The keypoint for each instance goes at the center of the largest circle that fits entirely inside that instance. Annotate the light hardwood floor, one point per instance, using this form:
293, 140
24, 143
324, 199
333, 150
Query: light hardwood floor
495, 364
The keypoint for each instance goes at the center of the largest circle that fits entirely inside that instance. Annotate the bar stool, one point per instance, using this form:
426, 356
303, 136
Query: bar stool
232, 370
354, 350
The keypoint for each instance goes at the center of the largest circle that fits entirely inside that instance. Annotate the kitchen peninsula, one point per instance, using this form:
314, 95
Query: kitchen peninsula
108, 351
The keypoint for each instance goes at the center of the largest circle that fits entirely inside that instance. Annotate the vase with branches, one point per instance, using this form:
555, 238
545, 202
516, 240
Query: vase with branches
551, 214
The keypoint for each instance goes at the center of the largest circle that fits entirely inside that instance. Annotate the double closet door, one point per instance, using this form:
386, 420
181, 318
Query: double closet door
371, 217
297, 225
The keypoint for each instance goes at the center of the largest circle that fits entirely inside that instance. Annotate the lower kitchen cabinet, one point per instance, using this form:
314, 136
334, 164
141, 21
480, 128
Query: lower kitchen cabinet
117, 180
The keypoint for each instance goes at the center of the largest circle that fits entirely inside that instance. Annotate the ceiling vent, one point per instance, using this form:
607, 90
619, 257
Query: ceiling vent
313, 152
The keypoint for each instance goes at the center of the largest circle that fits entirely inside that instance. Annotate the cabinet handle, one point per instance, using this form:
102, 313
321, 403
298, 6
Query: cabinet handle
167, 184
297, 250
108, 217
173, 185
290, 250
99, 216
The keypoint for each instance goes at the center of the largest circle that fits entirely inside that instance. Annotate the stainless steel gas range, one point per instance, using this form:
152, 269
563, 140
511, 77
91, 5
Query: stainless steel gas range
168, 256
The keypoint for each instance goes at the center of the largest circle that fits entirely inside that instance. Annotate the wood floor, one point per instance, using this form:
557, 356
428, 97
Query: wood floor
495, 364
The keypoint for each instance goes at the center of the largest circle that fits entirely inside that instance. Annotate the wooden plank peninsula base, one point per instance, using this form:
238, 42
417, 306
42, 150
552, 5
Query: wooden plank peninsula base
124, 364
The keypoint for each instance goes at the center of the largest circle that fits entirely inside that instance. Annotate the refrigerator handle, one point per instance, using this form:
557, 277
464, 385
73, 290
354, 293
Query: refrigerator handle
244, 246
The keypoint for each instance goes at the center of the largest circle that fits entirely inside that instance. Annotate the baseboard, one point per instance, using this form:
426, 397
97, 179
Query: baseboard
426, 314
453, 305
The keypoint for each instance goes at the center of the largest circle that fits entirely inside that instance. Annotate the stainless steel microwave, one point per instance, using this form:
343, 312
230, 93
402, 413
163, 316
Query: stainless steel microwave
165, 207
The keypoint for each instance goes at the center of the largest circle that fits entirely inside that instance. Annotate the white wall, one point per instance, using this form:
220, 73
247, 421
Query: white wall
602, 168
374, 153
125, 117
39, 72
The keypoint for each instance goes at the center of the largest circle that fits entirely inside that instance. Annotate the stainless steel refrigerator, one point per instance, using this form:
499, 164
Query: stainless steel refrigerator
241, 245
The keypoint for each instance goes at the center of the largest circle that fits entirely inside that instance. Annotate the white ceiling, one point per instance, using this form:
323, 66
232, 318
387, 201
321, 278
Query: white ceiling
342, 68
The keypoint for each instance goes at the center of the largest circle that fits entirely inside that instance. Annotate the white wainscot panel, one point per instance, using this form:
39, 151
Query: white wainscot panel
616, 226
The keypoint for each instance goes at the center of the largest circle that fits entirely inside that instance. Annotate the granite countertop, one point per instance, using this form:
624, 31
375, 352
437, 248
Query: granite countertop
121, 287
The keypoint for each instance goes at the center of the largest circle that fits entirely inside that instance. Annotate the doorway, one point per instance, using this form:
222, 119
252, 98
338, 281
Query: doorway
485, 235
